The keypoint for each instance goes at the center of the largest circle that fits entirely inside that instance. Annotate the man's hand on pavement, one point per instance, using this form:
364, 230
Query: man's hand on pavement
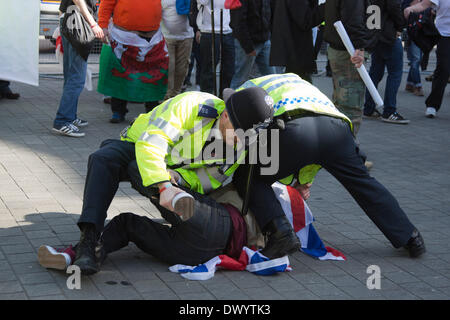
304, 189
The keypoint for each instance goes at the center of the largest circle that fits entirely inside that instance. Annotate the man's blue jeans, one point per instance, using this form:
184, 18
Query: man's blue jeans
390, 57
75, 68
244, 62
414, 56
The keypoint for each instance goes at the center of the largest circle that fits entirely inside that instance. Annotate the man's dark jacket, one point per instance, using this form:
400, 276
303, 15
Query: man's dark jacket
291, 41
352, 13
251, 23
392, 20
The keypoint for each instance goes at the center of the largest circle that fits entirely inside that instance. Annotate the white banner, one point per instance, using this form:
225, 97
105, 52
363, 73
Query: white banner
19, 41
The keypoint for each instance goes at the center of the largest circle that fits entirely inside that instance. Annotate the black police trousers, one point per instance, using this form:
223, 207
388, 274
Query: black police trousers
196, 240
328, 142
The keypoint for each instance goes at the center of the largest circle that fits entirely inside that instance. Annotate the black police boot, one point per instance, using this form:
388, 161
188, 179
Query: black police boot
85, 252
415, 244
282, 239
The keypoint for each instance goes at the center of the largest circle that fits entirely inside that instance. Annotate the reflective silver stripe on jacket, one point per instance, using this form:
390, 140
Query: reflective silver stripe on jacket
172, 132
155, 140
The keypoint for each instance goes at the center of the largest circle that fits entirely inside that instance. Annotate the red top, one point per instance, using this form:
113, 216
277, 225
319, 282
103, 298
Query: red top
133, 15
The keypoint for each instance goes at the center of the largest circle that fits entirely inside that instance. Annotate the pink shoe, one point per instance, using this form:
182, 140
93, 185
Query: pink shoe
59, 259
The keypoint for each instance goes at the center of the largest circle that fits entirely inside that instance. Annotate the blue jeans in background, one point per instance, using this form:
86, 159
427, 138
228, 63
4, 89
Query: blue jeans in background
414, 56
390, 57
244, 62
75, 68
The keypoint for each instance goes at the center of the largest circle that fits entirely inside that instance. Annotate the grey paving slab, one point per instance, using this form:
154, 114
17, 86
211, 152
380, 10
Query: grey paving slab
41, 189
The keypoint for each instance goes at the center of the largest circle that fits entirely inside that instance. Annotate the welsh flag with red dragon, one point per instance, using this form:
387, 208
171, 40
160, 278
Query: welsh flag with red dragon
133, 68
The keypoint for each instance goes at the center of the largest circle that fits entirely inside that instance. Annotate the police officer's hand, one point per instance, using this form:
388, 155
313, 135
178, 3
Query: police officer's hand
167, 194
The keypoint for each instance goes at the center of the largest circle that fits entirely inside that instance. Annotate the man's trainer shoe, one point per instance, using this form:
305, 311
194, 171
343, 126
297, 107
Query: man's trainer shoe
395, 118
52, 258
80, 122
69, 129
430, 112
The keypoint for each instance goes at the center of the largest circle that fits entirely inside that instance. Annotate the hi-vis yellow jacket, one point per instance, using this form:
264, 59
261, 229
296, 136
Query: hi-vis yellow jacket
294, 96
173, 136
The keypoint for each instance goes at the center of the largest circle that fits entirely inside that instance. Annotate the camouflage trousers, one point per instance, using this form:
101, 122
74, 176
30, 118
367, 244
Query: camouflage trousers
348, 87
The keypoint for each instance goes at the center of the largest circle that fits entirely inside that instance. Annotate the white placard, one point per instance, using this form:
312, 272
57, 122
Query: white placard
19, 41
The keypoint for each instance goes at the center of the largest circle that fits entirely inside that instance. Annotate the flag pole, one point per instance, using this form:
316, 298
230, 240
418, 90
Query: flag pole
213, 48
221, 55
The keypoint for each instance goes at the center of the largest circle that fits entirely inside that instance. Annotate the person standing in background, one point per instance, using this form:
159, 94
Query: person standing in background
251, 30
348, 87
74, 68
388, 53
134, 66
227, 54
414, 54
179, 35
291, 38
442, 72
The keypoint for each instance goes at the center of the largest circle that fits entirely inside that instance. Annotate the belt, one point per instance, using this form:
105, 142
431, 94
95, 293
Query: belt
295, 114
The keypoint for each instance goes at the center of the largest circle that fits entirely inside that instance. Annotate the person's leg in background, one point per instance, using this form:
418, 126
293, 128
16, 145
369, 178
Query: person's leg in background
194, 59
119, 109
348, 88
228, 60
394, 64
75, 68
183, 56
5, 91
440, 78
376, 73
243, 65
198, 61
206, 72
172, 50
263, 58
413, 82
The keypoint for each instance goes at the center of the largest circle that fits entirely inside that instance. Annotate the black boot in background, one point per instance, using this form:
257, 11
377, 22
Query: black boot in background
85, 252
282, 239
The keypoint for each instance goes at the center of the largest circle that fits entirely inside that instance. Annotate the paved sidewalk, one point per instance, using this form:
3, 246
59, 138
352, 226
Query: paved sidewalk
41, 185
